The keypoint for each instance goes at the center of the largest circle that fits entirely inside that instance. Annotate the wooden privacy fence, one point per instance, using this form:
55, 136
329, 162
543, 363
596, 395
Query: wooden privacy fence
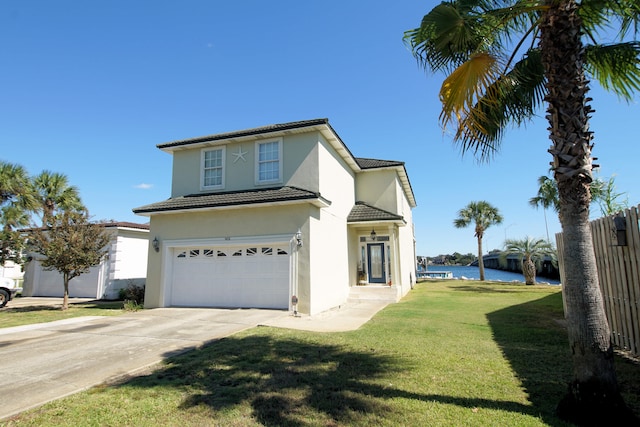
616, 240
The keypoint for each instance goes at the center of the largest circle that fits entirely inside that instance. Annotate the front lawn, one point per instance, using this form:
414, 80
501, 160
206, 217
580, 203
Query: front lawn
18, 316
452, 353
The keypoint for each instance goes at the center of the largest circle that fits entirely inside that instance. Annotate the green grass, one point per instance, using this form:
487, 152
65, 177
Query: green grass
18, 316
451, 353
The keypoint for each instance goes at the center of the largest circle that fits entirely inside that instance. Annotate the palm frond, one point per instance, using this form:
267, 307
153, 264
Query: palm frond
615, 66
621, 16
511, 20
547, 196
512, 98
465, 85
448, 35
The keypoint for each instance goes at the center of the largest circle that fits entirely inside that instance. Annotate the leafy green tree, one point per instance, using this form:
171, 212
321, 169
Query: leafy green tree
531, 252
483, 215
71, 245
54, 193
504, 59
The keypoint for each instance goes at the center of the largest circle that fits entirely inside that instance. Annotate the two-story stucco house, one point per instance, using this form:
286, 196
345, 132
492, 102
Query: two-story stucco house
269, 216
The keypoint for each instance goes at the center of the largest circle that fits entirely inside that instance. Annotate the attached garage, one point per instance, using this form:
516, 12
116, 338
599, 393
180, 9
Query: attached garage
250, 275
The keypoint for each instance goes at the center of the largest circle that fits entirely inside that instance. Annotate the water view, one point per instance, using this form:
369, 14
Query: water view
469, 272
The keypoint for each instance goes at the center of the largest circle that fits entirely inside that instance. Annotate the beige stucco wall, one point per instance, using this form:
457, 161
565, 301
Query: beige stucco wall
330, 255
228, 225
378, 188
383, 189
300, 166
406, 242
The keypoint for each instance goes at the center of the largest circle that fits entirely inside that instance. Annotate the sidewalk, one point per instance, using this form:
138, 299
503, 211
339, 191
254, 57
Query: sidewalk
347, 317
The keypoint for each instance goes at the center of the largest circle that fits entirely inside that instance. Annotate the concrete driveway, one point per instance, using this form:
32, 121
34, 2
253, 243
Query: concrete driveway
47, 361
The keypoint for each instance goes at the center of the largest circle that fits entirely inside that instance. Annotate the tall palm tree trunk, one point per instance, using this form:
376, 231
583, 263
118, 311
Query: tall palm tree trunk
529, 271
594, 390
480, 260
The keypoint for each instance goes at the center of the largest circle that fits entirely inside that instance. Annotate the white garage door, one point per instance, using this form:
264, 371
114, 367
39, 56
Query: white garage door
242, 276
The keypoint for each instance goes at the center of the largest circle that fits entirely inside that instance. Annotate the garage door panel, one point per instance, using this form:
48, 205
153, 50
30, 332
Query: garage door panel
248, 276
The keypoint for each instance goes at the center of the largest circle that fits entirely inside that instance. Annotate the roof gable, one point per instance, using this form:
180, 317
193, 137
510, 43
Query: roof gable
375, 164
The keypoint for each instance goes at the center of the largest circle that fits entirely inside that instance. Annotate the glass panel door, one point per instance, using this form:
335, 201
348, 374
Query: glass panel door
375, 256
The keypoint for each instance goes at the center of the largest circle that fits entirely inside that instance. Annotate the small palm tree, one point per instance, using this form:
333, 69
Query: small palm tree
547, 198
604, 192
484, 215
53, 193
531, 253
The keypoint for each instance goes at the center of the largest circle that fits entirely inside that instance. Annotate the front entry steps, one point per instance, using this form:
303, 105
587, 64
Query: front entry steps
373, 292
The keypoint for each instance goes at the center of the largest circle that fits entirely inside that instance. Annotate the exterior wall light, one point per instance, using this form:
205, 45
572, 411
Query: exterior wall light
299, 238
373, 234
156, 244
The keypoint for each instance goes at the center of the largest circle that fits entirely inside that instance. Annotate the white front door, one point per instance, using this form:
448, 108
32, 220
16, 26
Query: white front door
375, 257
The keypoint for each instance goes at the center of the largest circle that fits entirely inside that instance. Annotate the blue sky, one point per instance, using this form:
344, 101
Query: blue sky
89, 88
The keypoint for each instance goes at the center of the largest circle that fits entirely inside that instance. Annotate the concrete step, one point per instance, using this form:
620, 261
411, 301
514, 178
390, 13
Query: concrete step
373, 292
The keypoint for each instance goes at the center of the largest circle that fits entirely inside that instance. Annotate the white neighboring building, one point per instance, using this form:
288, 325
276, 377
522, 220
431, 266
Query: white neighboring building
11, 270
126, 263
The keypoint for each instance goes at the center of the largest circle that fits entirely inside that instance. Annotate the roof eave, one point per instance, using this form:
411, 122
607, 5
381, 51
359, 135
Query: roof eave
319, 202
399, 222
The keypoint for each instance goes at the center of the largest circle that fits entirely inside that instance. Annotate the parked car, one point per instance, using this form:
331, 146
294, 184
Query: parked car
8, 290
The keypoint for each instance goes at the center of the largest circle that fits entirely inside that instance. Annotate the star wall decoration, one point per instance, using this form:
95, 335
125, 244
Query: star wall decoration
239, 155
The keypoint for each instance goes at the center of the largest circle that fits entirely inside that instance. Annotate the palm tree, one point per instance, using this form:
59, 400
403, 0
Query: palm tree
531, 252
54, 193
16, 202
12, 218
504, 60
547, 198
15, 186
483, 215
603, 192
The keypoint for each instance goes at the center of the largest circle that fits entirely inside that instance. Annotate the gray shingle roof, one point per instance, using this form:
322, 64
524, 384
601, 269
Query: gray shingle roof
364, 212
375, 163
125, 224
247, 132
231, 198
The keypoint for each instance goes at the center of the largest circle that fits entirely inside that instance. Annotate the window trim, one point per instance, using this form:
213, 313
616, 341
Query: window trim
258, 181
223, 150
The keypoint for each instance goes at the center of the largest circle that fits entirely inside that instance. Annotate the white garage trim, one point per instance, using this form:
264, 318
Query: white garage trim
195, 249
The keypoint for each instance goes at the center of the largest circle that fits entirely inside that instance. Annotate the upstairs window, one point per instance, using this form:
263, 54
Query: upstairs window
213, 168
269, 162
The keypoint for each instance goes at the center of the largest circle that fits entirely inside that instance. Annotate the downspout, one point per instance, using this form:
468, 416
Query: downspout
397, 271
295, 245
